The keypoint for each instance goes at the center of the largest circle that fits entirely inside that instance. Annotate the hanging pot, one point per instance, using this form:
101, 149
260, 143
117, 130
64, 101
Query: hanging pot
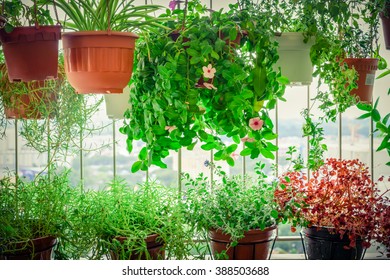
294, 58
117, 104
255, 245
35, 249
385, 16
99, 61
153, 244
366, 68
320, 244
31, 53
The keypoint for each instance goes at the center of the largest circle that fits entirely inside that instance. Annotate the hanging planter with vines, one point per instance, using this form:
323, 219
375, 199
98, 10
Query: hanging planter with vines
31, 52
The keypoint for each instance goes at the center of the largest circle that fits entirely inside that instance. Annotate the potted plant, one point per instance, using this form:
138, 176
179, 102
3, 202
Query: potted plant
385, 17
236, 214
197, 88
125, 222
31, 52
102, 42
336, 208
33, 215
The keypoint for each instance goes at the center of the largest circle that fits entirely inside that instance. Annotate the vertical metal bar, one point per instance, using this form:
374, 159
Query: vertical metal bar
179, 171
16, 151
308, 137
48, 148
243, 164
114, 148
211, 168
211, 4
147, 170
372, 148
277, 138
340, 136
81, 158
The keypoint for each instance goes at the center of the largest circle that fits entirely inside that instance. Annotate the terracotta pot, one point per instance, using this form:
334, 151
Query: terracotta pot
154, 247
99, 61
31, 53
294, 58
255, 245
26, 106
35, 249
366, 68
320, 244
386, 27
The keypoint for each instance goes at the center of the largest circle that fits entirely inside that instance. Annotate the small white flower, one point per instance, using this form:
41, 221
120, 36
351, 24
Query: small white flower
209, 86
209, 71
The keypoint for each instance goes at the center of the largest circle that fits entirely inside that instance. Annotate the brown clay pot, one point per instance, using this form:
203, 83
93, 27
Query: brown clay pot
154, 247
366, 68
255, 245
31, 53
35, 249
99, 61
386, 27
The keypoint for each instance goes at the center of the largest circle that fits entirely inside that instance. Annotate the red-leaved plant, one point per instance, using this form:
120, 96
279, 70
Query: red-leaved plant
340, 196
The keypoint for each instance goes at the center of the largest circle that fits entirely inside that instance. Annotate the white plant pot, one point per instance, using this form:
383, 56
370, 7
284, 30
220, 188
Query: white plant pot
117, 104
294, 58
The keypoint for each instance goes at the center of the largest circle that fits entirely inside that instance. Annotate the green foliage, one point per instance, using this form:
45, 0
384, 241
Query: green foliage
232, 204
32, 209
18, 13
98, 217
174, 105
105, 15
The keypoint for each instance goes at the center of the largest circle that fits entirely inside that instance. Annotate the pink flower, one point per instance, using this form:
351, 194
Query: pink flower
172, 5
170, 128
209, 71
209, 86
256, 123
247, 139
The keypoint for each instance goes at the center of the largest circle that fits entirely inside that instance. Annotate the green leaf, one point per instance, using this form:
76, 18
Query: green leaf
143, 153
233, 34
136, 166
364, 116
208, 146
230, 161
214, 55
246, 152
274, 214
376, 117
231, 148
364, 106
203, 135
383, 74
382, 127
283, 80
267, 154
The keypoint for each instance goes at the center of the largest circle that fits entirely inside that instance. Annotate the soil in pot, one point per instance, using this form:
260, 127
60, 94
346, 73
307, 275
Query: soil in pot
35, 249
255, 245
153, 244
320, 244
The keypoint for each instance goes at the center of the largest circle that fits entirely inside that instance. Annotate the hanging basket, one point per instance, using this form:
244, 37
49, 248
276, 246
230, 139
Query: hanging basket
117, 104
31, 53
99, 61
320, 244
294, 58
35, 249
154, 246
255, 245
366, 68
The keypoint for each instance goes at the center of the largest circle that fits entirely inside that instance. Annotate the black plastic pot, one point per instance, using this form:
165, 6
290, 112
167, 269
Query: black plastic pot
320, 244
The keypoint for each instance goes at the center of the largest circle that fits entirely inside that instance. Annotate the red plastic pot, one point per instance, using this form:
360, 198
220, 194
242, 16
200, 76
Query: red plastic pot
31, 53
99, 61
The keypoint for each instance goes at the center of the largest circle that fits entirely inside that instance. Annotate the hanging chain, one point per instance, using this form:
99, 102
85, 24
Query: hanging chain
56, 12
36, 14
108, 16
